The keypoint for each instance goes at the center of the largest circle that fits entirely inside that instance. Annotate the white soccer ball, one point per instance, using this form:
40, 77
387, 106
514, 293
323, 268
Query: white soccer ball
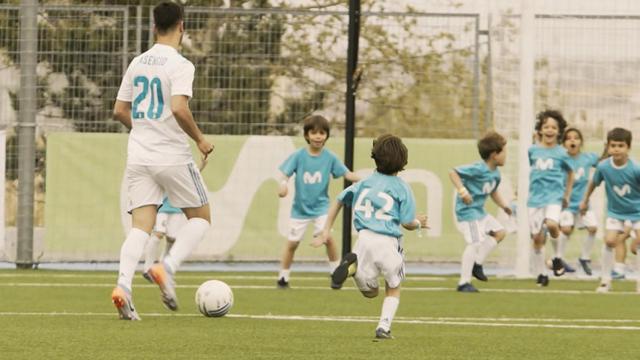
214, 298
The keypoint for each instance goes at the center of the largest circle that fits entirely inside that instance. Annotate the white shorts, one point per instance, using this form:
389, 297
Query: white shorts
537, 216
475, 231
568, 218
169, 223
183, 185
297, 227
378, 255
619, 225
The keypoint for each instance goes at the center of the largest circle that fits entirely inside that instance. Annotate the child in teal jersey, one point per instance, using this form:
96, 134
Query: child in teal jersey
313, 166
550, 184
621, 177
571, 218
381, 203
481, 231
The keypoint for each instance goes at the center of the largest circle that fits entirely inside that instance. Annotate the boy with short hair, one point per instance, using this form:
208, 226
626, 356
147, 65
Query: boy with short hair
621, 177
312, 166
381, 203
481, 231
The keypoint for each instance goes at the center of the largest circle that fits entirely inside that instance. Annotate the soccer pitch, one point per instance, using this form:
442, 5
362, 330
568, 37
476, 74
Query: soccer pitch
63, 314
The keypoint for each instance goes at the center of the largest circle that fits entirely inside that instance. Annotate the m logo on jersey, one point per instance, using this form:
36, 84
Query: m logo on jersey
578, 174
487, 188
626, 189
544, 164
308, 178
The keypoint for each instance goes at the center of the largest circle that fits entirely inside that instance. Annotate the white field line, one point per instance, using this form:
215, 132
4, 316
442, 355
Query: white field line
207, 276
478, 322
348, 288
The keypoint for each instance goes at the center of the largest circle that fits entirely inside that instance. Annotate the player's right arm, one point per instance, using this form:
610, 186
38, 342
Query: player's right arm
283, 187
334, 210
122, 112
462, 191
584, 204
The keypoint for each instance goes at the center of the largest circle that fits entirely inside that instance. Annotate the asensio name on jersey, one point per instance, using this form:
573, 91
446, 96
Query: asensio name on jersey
151, 80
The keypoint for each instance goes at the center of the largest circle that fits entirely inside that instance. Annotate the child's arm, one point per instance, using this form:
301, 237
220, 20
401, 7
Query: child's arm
497, 199
584, 204
567, 190
351, 176
283, 188
462, 191
334, 210
418, 223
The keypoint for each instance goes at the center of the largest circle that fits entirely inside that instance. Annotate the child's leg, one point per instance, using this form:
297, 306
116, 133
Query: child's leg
389, 307
538, 265
332, 254
488, 244
169, 241
287, 258
473, 233
610, 242
621, 253
587, 243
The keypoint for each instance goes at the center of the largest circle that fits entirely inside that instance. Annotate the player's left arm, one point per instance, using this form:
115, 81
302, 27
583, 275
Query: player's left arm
122, 112
497, 199
351, 176
567, 189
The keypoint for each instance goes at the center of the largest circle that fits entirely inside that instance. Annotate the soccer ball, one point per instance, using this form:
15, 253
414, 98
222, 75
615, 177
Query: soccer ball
214, 298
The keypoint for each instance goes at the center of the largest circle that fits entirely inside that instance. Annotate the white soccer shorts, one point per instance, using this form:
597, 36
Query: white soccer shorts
297, 227
568, 218
475, 231
378, 255
537, 216
169, 223
619, 225
182, 183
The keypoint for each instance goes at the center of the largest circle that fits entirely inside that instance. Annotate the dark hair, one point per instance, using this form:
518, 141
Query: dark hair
568, 130
554, 114
317, 122
389, 153
167, 15
616, 134
491, 142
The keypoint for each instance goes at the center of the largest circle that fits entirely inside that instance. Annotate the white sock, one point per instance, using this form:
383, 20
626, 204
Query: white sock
539, 266
607, 263
188, 238
619, 267
169, 241
562, 242
151, 251
488, 244
468, 258
587, 246
333, 265
389, 308
284, 273
130, 253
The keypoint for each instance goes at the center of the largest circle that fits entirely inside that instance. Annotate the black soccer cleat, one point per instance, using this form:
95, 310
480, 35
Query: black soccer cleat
543, 280
558, 266
586, 266
478, 272
282, 283
467, 287
383, 334
347, 268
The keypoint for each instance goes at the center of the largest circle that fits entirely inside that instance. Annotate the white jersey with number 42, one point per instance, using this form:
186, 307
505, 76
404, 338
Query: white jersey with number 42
151, 80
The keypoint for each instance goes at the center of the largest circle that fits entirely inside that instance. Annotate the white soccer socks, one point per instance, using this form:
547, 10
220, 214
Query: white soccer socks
151, 251
587, 246
468, 258
187, 240
389, 308
485, 248
130, 253
607, 263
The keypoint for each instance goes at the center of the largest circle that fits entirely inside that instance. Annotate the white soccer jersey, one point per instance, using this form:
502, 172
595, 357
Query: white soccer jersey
149, 83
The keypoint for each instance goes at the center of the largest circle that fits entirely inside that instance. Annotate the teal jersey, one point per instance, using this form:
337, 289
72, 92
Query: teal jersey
312, 181
582, 165
622, 185
167, 208
380, 203
547, 179
480, 181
